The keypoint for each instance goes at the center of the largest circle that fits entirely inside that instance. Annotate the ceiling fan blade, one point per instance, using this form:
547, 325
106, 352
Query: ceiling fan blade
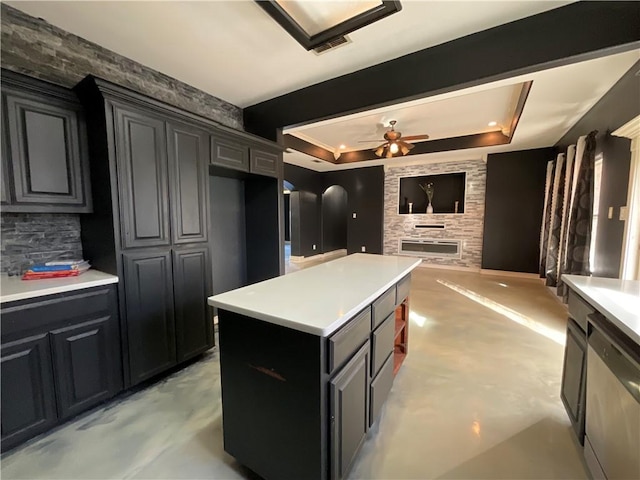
416, 137
371, 141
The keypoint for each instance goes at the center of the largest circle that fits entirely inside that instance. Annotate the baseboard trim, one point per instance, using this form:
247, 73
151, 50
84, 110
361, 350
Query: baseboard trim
321, 256
505, 273
449, 267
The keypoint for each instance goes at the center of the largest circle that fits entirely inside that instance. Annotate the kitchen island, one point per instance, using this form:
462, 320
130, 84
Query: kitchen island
307, 361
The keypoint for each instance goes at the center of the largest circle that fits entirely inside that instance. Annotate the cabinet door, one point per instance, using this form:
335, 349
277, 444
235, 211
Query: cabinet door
226, 152
264, 163
149, 309
28, 398
572, 391
142, 178
47, 151
192, 286
85, 358
188, 174
349, 401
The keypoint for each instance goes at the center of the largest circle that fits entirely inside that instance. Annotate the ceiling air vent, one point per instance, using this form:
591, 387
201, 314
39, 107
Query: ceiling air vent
332, 44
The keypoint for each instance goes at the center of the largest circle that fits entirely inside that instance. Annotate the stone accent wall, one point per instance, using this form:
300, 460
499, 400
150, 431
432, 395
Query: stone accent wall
29, 238
36, 48
466, 227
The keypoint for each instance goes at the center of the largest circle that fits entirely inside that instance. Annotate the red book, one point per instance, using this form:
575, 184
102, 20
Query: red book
39, 275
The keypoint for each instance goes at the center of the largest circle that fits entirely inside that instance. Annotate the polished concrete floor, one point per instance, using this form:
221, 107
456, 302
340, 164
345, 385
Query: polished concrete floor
477, 398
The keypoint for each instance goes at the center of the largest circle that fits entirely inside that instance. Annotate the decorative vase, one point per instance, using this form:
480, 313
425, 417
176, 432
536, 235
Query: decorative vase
429, 208
429, 190
410, 207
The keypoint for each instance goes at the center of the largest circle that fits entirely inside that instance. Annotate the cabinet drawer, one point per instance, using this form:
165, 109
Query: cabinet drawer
402, 289
228, 153
264, 163
382, 343
383, 307
380, 388
56, 309
579, 309
346, 341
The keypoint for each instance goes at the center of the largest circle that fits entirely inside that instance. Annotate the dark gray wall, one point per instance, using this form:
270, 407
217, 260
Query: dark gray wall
365, 195
34, 47
365, 191
305, 229
617, 107
228, 234
29, 238
514, 201
334, 219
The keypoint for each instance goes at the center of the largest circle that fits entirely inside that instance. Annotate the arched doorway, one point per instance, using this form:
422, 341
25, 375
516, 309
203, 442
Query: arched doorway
334, 219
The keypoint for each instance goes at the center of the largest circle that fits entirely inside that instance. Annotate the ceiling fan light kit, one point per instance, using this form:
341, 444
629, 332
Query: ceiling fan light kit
394, 143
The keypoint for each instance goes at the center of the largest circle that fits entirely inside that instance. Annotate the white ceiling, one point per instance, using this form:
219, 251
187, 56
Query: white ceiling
451, 117
236, 51
559, 97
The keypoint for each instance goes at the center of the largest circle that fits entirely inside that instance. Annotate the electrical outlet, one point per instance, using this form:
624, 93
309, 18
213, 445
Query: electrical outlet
314, 247
610, 213
354, 214
363, 248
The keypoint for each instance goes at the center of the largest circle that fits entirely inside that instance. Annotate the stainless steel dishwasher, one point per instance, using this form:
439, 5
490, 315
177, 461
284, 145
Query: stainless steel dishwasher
612, 443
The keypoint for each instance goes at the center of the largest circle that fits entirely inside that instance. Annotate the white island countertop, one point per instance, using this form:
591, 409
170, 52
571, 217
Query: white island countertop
618, 300
14, 288
320, 299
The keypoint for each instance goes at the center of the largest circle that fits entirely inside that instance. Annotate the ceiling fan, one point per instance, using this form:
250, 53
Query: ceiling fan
395, 142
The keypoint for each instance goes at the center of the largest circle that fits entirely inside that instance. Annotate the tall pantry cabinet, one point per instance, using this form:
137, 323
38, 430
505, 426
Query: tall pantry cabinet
151, 223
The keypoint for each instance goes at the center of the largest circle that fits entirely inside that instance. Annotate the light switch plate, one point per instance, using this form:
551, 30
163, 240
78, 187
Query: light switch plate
354, 214
610, 214
363, 248
624, 213
314, 247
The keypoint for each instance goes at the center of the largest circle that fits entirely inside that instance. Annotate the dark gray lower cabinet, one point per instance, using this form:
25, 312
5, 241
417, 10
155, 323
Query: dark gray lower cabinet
194, 322
349, 401
60, 356
148, 282
574, 378
84, 367
28, 396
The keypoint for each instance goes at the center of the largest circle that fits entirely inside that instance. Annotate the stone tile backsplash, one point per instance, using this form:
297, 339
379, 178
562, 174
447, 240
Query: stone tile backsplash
467, 227
29, 238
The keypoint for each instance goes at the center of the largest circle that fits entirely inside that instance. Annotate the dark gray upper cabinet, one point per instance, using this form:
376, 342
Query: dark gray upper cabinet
28, 397
192, 286
349, 408
142, 178
264, 163
148, 284
188, 173
229, 153
86, 366
45, 143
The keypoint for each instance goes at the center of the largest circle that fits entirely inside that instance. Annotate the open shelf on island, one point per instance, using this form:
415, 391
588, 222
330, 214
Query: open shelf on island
401, 336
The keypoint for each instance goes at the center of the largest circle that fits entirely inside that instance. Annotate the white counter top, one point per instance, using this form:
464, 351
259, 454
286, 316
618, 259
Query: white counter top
618, 300
14, 288
320, 299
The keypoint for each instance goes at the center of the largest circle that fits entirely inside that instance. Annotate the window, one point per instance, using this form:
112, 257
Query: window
597, 181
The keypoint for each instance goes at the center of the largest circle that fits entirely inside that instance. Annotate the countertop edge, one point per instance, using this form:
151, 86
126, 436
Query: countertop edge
322, 332
613, 318
13, 297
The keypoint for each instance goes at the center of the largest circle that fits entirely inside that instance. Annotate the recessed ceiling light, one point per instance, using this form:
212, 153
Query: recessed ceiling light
493, 124
343, 146
316, 161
